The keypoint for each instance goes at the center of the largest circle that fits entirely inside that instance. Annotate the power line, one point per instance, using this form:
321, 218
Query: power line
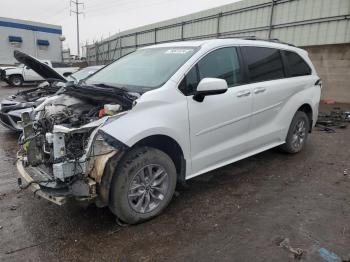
76, 11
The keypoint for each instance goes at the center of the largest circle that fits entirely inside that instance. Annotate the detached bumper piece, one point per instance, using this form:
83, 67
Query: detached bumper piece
35, 187
8, 122
43, 185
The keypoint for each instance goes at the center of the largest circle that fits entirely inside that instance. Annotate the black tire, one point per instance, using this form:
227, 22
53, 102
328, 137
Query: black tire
291, 146
121, 203
16, 80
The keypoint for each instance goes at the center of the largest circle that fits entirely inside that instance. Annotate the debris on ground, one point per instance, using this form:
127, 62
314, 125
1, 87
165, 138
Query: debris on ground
13, 207
345, 172
285, 243
2, 196
1, 227
336, 118
328, 255
329, 101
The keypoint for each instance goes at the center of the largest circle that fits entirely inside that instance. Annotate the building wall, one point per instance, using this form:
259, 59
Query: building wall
300, 22
332, 63
30, 32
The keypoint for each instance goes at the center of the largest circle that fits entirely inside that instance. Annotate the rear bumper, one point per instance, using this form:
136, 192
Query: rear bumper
35, 187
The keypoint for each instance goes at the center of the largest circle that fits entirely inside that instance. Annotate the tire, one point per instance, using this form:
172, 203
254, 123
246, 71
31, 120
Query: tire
16, 80
297, 133
130, 193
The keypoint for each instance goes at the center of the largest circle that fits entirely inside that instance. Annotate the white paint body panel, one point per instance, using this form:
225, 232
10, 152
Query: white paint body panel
223, 128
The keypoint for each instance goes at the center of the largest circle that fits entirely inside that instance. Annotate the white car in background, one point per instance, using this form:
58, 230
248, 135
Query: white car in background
26, 73
164, 114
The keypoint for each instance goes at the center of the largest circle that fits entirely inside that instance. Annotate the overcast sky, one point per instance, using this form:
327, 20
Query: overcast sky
102, 18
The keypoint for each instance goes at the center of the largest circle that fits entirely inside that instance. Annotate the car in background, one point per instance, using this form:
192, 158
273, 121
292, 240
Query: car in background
12, 107
26, 72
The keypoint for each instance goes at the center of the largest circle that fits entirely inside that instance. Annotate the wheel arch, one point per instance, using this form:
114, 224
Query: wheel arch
161, 142
169, 146
307, 109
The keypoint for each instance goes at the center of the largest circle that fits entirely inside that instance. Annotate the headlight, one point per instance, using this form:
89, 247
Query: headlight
110, 140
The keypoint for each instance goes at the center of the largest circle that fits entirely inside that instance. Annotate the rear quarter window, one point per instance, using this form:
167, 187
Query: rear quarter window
296, 66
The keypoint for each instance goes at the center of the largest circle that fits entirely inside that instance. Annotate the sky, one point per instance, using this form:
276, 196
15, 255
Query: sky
102, 18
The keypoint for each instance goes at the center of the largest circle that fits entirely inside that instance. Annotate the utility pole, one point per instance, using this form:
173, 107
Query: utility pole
77, 13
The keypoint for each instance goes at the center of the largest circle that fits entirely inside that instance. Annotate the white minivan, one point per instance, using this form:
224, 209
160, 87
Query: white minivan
163, 114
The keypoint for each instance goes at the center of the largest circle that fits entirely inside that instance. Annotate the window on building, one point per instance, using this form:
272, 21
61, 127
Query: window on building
264, 64
42, 42
296, 65
15, 39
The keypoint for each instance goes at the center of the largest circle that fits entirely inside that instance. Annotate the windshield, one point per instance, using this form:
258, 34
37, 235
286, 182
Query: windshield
81, 74
146, 68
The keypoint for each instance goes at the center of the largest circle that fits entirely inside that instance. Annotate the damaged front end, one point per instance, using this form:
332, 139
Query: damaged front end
63, 151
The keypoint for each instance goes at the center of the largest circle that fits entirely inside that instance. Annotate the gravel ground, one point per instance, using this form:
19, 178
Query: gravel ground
242, 212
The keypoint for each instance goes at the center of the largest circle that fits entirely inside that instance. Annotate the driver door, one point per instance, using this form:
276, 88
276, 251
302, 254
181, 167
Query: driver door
219, 124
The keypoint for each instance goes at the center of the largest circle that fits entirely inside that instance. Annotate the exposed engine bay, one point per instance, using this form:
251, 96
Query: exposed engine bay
32, 95
61, 142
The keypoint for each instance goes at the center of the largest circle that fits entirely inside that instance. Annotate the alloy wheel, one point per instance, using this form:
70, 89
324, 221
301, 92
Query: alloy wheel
148, 188
299, 134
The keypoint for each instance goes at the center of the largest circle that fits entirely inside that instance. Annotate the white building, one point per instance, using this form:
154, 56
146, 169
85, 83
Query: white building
40, 40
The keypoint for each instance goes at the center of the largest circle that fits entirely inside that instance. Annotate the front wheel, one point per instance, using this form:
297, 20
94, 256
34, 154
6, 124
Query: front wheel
143, 185
297, 133
16, 80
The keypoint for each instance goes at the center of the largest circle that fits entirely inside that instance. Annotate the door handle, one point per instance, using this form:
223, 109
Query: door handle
259, 90
243, 93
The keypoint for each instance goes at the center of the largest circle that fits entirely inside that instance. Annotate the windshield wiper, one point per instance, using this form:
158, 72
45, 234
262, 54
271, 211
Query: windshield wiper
111, 86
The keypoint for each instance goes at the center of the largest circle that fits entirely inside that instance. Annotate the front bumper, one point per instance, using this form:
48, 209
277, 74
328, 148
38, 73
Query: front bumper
35, 186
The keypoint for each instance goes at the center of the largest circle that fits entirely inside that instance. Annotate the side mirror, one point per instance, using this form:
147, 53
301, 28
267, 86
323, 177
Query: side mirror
209, 87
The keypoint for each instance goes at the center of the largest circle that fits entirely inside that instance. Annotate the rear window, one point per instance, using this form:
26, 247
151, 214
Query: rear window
263, 64
296, 65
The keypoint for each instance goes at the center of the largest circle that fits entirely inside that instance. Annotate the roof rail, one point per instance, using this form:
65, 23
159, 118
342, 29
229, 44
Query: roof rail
274, 40
253, 37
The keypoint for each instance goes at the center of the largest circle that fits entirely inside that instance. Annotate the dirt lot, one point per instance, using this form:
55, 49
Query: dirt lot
241, 212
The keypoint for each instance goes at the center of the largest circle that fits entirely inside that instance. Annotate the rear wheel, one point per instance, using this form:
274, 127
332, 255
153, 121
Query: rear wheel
16, 80
143, 185
297, 133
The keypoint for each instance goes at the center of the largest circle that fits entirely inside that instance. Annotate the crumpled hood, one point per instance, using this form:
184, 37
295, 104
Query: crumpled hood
40, 68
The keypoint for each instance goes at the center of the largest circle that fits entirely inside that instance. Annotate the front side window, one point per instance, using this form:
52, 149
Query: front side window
222, 63
263, 63
146, 68
296, 65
